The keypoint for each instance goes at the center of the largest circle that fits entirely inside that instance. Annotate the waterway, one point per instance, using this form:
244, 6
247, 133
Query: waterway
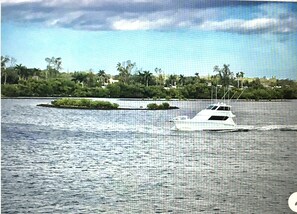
88, 161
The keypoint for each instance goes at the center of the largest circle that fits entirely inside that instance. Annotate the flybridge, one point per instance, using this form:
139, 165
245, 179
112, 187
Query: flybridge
224, 107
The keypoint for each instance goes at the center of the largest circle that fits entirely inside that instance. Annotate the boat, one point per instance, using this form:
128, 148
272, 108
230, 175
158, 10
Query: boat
216, 117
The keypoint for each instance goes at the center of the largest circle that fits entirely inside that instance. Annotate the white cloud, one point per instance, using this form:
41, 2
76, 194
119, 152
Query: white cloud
18, 1
149, 14
140, 24
259, 25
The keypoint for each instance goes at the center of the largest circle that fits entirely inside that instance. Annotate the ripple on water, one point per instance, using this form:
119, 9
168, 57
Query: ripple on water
126, 162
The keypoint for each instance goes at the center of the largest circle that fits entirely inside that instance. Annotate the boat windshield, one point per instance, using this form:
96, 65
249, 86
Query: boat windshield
224, 108
212, 107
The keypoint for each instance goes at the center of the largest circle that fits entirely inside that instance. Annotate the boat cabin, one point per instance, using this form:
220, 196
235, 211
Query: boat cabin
218, 111
219, 107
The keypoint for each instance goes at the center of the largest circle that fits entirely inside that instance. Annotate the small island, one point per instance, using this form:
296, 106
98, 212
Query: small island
80, 104
100, 105
163, 106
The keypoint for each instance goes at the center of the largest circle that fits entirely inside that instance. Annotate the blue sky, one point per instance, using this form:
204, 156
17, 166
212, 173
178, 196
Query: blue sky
258, 38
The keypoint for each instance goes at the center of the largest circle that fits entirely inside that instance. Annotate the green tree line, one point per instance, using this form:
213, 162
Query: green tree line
130, 82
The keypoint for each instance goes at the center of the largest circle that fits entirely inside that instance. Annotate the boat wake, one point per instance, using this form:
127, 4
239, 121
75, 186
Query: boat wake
277, 127
247, 128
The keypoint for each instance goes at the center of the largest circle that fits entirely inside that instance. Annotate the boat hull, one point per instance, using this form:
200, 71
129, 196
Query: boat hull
189, 125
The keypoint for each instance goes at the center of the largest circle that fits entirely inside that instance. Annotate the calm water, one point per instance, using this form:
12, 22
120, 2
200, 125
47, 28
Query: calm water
86, 161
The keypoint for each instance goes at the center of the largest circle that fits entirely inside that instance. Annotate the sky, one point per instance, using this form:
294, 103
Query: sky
258, 38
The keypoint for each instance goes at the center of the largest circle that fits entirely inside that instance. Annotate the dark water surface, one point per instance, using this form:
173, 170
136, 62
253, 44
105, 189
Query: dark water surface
88, 161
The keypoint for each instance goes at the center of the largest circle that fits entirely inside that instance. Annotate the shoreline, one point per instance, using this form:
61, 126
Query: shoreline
146, 99
87, 108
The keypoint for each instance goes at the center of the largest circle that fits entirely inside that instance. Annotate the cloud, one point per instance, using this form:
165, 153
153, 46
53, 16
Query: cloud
140, 24
145, 15
259, 25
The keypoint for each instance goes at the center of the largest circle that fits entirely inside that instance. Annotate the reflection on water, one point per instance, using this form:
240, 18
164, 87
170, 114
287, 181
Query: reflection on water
84, 161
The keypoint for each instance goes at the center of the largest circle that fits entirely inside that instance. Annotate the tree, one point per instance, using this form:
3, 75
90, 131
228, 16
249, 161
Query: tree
90, 79
147, 77
181, 80
22, 71
53, 66
160, 76
171, 81
141, 77
58, 63
256, 84
9, 76
239, 76
125, 71
54, 63
197, 77
102, 76
79, 77
4, 61
225, 75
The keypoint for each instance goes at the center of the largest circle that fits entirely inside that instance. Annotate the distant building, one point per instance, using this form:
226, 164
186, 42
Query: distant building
111, 81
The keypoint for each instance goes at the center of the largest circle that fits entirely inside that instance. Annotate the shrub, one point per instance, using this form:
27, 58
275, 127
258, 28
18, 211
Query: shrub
10, 90
154, 106
165, 105
85, 103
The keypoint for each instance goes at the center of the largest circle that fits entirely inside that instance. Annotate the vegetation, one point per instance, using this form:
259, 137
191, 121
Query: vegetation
154, 106
19, 81
84, 103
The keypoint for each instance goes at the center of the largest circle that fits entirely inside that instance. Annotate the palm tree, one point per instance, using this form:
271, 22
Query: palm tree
197, 77
125, 70
53, 66
102, 76
4, 61
225, 75
22, 71
181, 80
147, 77
239, 76
172, 79
49, 62
159, 76
141, 77
58, 63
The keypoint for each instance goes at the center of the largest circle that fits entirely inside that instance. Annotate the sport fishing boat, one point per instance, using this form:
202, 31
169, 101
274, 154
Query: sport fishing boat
215, 117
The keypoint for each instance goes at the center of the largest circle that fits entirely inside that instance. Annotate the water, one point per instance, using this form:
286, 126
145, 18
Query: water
88, 161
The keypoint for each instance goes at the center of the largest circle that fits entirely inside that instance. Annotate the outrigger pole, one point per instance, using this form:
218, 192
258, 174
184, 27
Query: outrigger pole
240, 95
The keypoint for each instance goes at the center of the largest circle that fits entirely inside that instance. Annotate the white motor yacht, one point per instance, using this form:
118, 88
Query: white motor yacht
215, 117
